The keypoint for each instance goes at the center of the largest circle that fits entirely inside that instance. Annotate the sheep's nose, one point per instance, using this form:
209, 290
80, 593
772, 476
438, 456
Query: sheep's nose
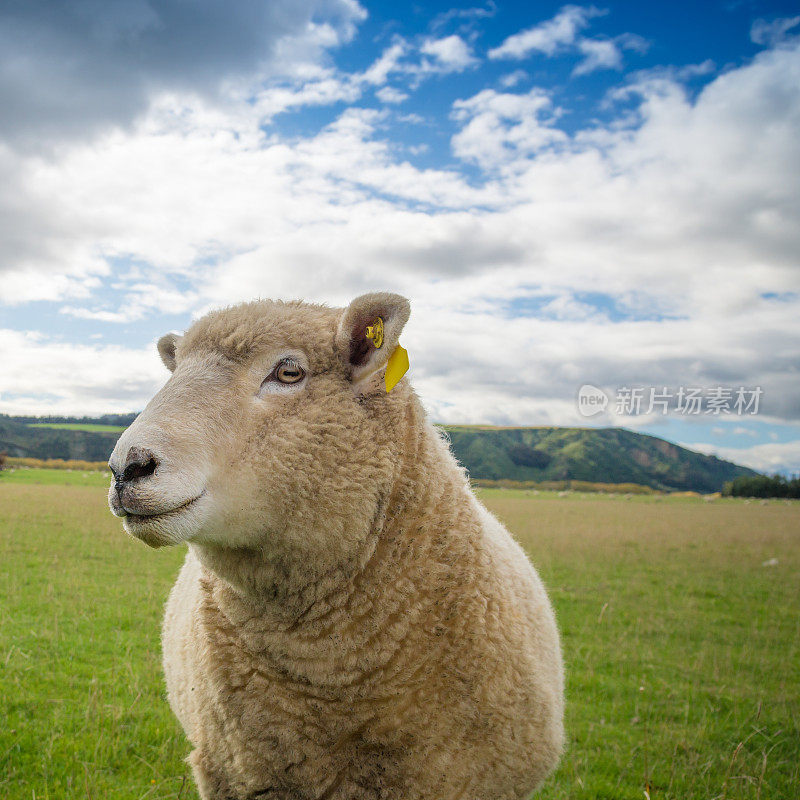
139, 463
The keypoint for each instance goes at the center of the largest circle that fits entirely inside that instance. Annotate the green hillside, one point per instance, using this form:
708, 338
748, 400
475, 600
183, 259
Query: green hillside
603, 455
85, 439
599, 455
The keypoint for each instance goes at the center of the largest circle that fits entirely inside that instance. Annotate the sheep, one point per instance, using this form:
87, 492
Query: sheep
350, 622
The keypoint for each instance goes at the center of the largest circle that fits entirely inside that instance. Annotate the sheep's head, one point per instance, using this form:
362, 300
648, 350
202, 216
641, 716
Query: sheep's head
274, 431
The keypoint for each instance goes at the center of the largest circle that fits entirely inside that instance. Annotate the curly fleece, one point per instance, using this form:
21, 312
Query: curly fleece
370, 631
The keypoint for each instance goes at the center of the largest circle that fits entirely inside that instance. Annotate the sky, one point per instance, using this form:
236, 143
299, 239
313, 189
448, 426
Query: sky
580, 201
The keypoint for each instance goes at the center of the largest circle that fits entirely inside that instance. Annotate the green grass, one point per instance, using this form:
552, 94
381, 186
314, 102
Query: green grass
83, 710
62, 477
682, 650
92, 427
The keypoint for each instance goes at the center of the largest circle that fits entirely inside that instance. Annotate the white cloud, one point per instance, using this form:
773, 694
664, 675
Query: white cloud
631, 41
740, 430
783, 457
598, 54
469, 14
309, 84
97, 314
668, 74
138, 300
27, 285
772, 33
48, 376
325, 89
500, 128
416, 63
561, 35
379, 71
388, 94
411, 119
452, 53
607, 53
547, 37
513, 78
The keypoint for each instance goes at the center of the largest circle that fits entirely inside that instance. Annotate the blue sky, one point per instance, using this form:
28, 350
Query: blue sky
570, 195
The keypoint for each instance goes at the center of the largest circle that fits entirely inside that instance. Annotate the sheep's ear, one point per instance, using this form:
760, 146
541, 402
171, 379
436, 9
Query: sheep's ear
358, 340
166, 349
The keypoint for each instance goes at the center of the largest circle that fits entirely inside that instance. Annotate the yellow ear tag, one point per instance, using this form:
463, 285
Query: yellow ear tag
396, 367
375, 332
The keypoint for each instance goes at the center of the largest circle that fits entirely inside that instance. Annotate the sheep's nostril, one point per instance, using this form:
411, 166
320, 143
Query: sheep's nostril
140, 464
135, 471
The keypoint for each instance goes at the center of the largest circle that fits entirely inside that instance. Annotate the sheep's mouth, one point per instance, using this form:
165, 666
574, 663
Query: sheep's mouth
162, 515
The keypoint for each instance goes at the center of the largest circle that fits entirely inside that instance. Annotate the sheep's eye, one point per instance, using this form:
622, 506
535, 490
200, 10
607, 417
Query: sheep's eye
289, 372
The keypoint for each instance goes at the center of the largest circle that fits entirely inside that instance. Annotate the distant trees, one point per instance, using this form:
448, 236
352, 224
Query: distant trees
763, 486
3, 457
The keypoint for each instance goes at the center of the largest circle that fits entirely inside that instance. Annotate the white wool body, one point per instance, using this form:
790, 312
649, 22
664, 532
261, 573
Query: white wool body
350, 622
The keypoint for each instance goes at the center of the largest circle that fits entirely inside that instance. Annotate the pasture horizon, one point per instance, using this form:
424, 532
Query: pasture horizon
532, 454
94, 423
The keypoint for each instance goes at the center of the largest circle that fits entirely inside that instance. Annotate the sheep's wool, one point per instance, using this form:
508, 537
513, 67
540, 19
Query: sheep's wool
350, 622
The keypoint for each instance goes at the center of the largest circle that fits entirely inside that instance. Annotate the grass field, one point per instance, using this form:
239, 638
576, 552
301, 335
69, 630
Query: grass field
79, 426
683, 648
50, 477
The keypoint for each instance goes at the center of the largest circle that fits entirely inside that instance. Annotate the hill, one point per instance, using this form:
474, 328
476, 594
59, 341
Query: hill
62, 437
602, 455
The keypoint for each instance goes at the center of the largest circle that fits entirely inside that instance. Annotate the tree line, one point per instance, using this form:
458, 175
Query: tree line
763, 486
